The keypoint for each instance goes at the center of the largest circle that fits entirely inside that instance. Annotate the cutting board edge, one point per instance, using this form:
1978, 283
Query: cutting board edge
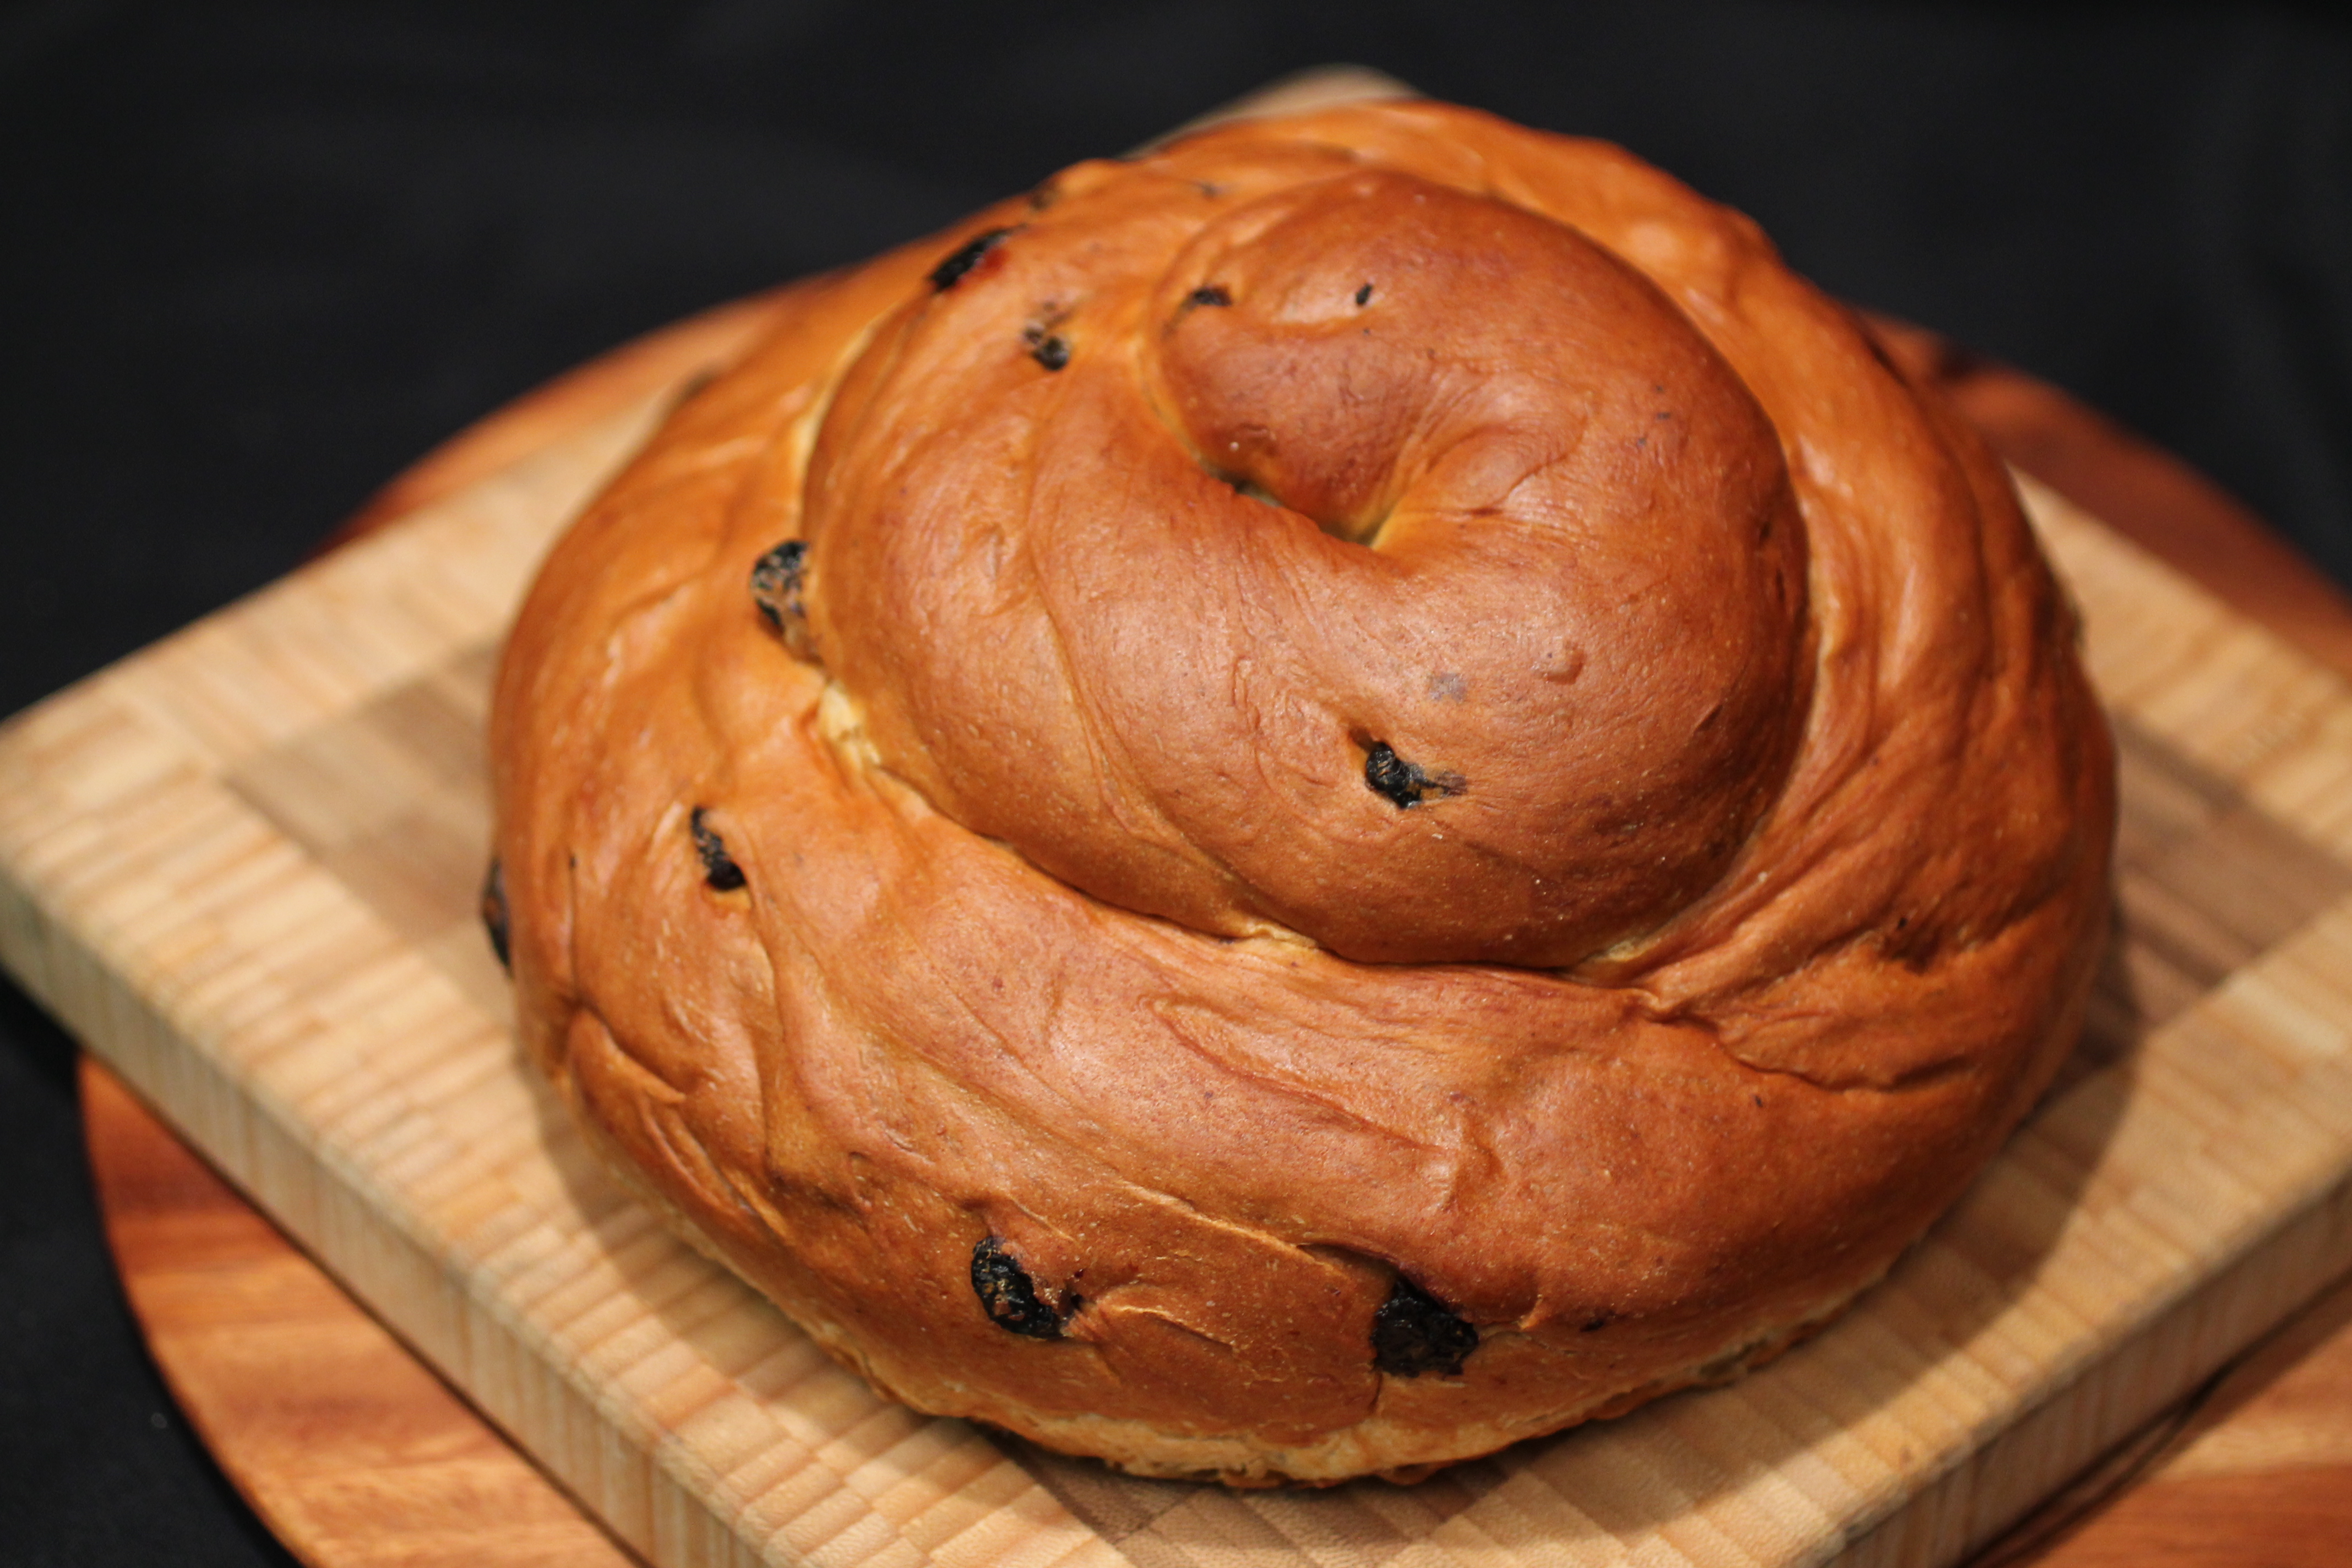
633, 1491
2000, 1481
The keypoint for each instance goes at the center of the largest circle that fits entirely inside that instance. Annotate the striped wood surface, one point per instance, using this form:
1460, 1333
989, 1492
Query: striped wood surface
353, 1454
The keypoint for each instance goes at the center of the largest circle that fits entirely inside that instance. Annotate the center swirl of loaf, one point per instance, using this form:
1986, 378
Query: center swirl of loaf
1358, 556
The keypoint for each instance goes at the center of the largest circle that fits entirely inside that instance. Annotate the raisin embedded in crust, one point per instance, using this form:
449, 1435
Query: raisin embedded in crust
1008, 1296
776, 579
966, 257
1415, 1333
1392, 775
718, 867
494, 913
1403, 782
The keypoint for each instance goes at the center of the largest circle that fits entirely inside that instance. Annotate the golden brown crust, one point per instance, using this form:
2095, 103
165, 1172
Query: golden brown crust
1615, 846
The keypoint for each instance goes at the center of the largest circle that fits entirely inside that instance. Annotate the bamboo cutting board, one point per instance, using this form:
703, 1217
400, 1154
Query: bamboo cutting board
241, 864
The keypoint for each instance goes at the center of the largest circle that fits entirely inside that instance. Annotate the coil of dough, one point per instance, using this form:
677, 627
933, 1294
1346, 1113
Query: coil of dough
1304, 804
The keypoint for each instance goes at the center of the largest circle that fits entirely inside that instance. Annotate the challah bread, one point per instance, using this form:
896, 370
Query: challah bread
1304, 804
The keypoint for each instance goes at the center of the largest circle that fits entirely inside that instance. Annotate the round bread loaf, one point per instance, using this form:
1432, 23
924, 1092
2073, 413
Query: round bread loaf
1304, 804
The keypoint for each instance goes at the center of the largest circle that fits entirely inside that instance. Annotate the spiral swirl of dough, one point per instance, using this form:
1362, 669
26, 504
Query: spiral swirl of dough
1383, 791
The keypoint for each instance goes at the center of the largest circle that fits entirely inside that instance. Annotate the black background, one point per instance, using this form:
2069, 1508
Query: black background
253, 259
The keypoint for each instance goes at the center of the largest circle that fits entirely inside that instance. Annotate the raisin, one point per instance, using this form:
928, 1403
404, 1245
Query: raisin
1209, 294
1415, 1333
718, 868
1047, 347
1392, 776
965, 258
494, 913
1364, 295
1007, 1295
776, 583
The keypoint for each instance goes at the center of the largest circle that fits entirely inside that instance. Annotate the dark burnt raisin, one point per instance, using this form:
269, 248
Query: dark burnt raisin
1415, 1333
1051, 352
718, 868
1390, 775
965, 258
494, 913
1209, 294
1364, 295
776, 582
1007, 1295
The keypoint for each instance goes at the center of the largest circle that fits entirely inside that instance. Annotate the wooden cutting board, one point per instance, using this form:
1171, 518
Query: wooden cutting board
241, 866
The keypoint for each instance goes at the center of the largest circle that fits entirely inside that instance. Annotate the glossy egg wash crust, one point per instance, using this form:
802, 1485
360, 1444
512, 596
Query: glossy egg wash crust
1305, 804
